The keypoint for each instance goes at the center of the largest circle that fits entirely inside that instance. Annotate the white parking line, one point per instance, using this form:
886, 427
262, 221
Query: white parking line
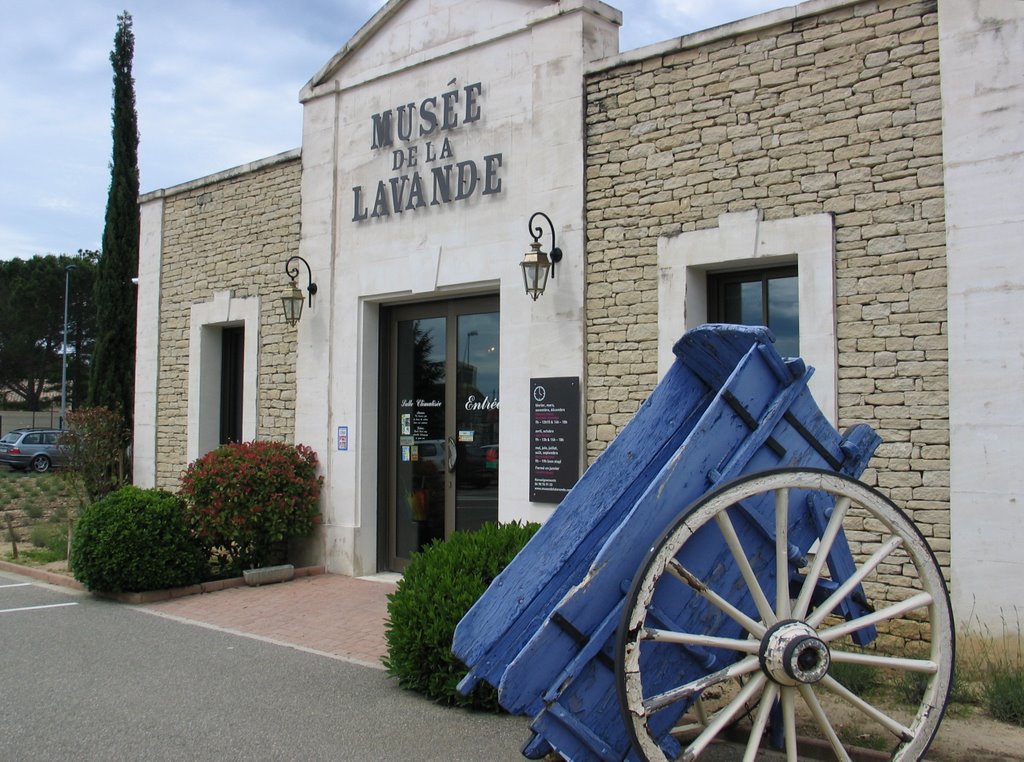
18, 584
34, 608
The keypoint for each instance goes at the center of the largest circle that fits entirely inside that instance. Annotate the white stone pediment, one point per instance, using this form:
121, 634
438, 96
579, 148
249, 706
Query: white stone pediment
407, 33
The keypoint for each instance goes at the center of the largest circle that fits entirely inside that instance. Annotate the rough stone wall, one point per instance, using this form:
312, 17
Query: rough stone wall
234, 233
837, 112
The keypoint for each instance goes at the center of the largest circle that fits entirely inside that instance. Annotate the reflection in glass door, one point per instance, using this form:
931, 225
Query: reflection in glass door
420, 454
442, 420
476, 421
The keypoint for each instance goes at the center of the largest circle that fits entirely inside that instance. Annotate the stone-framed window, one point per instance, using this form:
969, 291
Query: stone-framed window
210, 322
743, 241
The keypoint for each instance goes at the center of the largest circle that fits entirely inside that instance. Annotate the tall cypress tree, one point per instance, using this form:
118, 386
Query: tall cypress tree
112, 379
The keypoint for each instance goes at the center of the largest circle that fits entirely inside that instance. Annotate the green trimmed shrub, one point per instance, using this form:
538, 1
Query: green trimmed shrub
246, 500
134, 540
437, 589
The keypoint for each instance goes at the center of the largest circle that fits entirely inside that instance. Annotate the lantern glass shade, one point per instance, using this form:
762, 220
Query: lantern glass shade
536, 267
292, 305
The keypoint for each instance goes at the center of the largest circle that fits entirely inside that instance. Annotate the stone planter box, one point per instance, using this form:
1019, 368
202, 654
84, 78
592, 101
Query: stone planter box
267, 575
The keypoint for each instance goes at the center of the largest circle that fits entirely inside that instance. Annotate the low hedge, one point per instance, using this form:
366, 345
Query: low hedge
437, 589
134, 540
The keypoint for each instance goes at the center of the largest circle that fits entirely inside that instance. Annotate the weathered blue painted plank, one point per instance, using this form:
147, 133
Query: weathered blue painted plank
557, 557
713, 446
544, 632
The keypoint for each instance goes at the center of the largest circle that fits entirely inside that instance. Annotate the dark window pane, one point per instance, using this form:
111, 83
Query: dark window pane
743, 303
759, 297
784, 314
232, 365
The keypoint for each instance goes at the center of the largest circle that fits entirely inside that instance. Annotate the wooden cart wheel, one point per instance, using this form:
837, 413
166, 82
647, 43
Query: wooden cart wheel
778, 668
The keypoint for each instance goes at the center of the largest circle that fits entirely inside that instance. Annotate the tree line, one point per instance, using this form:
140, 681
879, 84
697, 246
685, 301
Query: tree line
32, 327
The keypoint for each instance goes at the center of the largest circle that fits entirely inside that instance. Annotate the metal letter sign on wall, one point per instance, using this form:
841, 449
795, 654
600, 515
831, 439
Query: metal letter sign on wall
554, 437
419, 139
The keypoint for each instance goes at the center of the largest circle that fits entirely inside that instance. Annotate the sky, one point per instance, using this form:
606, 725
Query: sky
216, 85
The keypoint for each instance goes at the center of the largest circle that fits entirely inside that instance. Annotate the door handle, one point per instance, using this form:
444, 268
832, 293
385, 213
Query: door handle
453, 454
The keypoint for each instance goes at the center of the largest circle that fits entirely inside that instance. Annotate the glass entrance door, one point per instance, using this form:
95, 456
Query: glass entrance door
442, 420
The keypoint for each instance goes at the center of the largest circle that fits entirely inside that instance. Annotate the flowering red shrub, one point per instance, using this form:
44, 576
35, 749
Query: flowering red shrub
244, 501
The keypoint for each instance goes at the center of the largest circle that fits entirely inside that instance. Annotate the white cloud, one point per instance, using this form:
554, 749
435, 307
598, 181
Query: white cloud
648, 21
217, 85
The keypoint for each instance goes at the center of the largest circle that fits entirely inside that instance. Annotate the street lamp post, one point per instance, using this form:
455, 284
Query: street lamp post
64, 348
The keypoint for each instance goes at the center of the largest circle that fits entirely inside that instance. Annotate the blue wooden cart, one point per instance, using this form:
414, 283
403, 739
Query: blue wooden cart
646, 619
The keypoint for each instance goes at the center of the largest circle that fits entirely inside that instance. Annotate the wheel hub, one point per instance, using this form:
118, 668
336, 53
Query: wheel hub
791, 654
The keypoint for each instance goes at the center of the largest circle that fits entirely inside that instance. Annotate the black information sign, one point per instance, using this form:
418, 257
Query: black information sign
554, 437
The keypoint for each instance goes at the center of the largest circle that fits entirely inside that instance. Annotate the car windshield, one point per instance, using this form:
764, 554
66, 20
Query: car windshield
11, 438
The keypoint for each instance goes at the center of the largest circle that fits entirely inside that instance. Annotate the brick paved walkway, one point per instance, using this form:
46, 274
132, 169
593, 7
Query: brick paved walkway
328, 613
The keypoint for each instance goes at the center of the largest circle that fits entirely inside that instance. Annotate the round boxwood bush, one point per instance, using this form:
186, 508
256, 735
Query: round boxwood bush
133, 540
437, 589
245, 500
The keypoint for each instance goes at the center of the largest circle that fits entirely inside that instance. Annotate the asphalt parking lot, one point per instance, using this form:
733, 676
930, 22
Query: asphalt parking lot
240, 674
88, 679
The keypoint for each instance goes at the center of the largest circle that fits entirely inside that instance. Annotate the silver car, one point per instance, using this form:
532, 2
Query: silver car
38, 449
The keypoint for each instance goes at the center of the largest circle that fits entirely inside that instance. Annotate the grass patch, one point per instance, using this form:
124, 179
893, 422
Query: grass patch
36, 494
53, 537
991, 671
1004, 694
859, 678
39, 556
39, 506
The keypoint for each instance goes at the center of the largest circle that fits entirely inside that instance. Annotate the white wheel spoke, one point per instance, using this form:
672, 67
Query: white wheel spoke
924, 666
789, 723
677, 570
828, 537
739, 669
897, 729
764, 608
889, 612
782, 601
724, 717
811, 699
825, 609
760, 721
735, 616
696, 639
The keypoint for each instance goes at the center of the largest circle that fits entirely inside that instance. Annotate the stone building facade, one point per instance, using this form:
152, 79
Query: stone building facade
871, 148
223, 243
835, 114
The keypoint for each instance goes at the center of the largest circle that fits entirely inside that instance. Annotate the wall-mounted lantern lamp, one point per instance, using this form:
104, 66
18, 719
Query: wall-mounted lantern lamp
292, 303
537, 263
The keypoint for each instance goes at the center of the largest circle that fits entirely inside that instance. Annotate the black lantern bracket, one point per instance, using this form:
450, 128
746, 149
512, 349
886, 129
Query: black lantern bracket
292, 271
292, 303
536, 231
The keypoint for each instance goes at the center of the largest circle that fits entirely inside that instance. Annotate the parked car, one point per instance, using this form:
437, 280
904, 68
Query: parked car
471, 467
38, 449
